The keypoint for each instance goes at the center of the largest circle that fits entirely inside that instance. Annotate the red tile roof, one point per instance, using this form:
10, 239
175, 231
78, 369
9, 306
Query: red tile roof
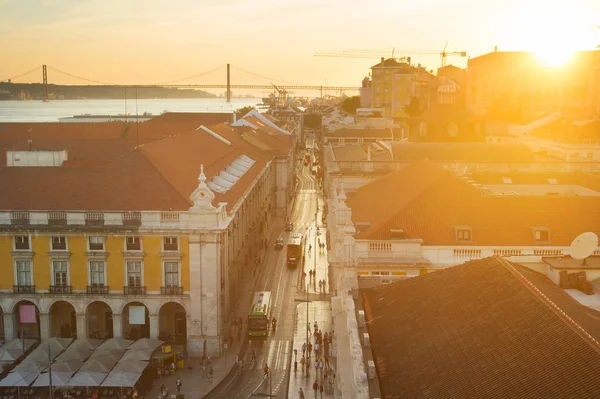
428, 202
109, 173
479, 331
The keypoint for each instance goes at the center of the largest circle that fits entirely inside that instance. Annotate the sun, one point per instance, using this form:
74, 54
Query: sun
554, 30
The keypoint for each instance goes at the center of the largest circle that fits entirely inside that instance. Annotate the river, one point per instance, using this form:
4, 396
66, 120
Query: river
39, 111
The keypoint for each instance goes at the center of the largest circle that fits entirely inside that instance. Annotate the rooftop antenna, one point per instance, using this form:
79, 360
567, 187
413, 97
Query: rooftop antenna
584, 245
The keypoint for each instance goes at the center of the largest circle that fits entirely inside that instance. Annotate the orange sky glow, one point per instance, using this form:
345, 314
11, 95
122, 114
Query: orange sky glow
153, 41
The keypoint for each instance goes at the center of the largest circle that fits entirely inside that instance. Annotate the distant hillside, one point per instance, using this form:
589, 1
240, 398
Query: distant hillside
36, 91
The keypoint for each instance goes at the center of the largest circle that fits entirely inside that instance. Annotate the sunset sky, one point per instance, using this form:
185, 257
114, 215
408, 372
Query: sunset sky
151, 41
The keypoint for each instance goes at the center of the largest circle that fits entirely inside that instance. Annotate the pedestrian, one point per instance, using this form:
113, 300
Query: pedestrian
302, 362
295, 366
210, 372
317, 350
321, 388
315, 387
309, 349
266, 371
178, 384
303, 348
301, 394
316, 367
321, 366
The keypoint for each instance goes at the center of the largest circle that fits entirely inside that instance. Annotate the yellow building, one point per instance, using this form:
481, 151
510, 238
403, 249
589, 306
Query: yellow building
395, 84
105, 238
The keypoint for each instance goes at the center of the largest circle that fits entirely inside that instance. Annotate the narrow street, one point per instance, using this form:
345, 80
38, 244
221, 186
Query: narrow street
276, 349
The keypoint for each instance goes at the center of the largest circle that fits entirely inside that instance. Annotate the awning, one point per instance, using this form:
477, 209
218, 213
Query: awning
115, 343
134, 366
116, 353
137, 354
78, 354
87, 379
18, 379
101, 364
85, 343
66, 366
145, 343
29, 365
121, 379
59, 379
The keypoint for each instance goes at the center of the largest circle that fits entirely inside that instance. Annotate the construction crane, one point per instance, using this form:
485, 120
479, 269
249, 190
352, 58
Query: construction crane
374, 53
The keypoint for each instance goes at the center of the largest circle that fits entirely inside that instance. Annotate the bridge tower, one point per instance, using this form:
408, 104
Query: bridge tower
228, 85
45, 81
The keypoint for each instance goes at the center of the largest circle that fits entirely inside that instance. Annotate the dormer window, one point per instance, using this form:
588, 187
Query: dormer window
463, 233
133, 243
541, 234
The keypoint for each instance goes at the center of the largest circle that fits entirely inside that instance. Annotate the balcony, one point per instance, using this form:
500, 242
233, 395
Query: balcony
97, 289
24, 289
134, 290
171, 290
60, 289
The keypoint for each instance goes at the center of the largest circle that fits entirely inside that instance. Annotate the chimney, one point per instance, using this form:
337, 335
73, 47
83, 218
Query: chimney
382, 59
495, 49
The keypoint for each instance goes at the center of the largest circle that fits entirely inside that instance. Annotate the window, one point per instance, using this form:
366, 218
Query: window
22, 243
134, 274
463, 234
60, 273
542, 235
59, 243
97, 277
96, 243
133, 244
171, 244
24, 272
171, 274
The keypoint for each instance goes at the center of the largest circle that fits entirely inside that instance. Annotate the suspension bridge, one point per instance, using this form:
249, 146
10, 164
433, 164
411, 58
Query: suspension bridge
281, 84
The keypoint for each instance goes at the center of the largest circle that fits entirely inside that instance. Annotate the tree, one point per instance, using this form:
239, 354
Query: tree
245, 110
350, 104
414, 108
312, 121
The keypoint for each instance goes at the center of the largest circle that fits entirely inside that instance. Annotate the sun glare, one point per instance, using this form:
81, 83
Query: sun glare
553, 30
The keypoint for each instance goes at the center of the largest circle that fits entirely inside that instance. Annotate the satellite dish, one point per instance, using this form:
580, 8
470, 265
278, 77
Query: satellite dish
584, 245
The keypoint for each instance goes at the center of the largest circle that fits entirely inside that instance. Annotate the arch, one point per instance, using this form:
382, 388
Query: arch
122, 306
98, 320
45, 306
30, 328
139, 329
172, 323
63, 319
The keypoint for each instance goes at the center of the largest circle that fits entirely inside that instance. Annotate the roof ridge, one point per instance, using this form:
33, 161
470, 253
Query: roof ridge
549, 303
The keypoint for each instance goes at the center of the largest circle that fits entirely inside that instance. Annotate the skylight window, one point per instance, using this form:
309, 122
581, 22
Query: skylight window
225, 179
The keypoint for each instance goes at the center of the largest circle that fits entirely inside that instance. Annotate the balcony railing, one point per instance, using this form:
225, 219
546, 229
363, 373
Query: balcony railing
134, 290
60, 289
171, 290
97, 289
24, 289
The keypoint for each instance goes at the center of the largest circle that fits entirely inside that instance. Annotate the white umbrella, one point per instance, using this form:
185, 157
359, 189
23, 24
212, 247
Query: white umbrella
138, 354
116, 353
17, 343
121, 379
59, 379
86, 343
19, 379
145, 343
99, 364
31, 365
66, 366
134, 366
57, 343
75, 354
87, 379
9, 355
115, 343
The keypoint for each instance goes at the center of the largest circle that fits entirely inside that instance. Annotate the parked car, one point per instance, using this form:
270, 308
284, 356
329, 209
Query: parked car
279, 243
289, 227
